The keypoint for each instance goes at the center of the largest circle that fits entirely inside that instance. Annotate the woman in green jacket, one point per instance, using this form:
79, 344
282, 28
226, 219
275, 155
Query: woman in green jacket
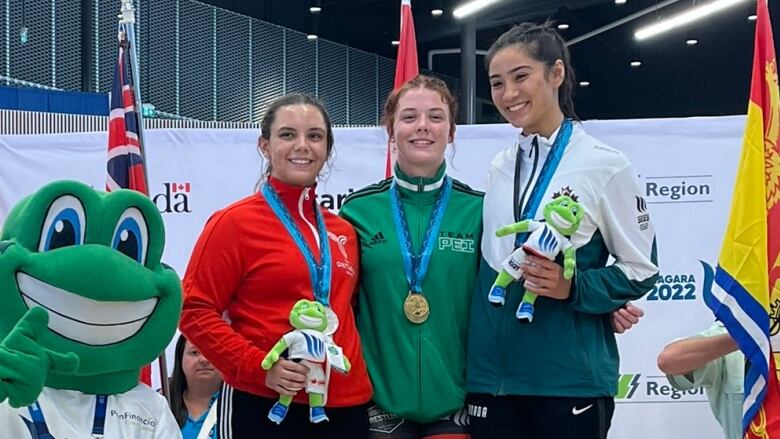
419, 242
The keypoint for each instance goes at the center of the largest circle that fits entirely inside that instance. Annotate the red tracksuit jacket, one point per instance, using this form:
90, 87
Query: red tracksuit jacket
246, 267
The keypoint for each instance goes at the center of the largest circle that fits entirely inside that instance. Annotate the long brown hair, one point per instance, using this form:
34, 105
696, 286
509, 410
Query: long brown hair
179, 384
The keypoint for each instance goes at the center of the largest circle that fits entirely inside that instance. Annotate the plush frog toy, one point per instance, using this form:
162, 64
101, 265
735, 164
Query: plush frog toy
85, 304
316, 350
562, 216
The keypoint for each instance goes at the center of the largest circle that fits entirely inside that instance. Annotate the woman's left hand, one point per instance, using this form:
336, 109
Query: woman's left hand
545, 278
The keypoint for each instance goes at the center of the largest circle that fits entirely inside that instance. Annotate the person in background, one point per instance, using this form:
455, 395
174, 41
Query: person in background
710, 359
194, 388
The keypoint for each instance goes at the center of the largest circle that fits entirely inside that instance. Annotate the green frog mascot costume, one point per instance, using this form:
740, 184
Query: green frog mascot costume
85, 304
562, 217
311, 344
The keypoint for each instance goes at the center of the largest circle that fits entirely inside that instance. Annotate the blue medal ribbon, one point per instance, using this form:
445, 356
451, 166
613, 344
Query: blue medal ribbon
416, 264
98, 422
548, 170
318, 272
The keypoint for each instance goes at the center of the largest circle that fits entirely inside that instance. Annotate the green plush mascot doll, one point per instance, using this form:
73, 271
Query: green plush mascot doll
316, 350
562, 217
85, 304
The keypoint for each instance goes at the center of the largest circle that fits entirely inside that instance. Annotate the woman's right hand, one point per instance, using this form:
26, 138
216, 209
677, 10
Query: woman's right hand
286, 377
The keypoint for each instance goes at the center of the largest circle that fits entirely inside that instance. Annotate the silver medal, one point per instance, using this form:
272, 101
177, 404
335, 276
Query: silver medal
333, 321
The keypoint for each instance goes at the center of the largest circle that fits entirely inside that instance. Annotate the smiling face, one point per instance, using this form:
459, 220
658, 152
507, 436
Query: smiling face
421, 128
564, 214
297, 146
307, 314
525, 90
92, 260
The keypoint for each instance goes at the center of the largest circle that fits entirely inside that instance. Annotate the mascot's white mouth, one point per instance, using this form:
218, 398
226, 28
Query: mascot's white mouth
85, 320
311, 322
560, 221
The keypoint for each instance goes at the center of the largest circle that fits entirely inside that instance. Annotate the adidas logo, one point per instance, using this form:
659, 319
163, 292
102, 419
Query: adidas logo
377, 239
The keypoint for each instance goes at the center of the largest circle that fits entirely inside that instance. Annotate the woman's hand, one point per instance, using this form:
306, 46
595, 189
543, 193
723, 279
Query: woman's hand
625, 317
545, 278
286, 377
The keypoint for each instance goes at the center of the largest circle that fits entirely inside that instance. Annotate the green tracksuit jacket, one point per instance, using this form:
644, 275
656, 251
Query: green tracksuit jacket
418, 371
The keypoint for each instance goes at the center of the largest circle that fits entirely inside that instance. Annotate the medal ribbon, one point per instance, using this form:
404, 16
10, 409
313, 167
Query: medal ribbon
548, 170
416, 264
319, 273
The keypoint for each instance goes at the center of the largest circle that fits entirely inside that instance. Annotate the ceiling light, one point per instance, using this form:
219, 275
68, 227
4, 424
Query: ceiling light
584, 83
620, 2
753, 17
636, 63
436, 12
563, 26
395, 43
311, 37
692, 42
315, 9
686, 17
471, 7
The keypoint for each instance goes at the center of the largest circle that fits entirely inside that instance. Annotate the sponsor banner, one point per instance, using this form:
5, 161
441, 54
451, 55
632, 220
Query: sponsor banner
685, 168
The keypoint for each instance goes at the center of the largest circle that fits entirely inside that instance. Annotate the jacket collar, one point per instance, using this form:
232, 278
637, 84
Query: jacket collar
295, 198
420, 184
526, 141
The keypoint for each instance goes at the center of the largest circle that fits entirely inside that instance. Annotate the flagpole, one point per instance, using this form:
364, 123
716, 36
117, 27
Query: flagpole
127, 18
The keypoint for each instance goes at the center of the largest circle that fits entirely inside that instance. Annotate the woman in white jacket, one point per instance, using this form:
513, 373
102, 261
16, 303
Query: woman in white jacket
556, 377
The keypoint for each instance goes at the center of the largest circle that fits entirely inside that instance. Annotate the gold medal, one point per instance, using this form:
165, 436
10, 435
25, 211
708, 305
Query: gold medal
416, 308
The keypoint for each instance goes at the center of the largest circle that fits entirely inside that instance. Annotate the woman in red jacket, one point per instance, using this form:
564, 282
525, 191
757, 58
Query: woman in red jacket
253, 261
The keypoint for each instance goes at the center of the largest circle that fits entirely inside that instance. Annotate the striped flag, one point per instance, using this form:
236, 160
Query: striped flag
126, 169
747, 296
125, 165
406, 65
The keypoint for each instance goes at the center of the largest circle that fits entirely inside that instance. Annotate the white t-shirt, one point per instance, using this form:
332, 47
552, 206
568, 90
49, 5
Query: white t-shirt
139, 413
306, 344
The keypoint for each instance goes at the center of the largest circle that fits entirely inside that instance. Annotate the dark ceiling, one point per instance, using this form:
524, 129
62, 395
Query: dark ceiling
710, 78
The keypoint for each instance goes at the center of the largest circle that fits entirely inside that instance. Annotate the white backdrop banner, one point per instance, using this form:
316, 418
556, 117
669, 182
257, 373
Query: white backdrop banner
685, 166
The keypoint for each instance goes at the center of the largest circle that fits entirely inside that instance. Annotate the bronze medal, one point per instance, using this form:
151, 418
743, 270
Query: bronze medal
416, 308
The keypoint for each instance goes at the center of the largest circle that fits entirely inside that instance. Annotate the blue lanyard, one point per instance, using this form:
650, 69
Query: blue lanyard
416, 265
98, 422
318, 272
545, 176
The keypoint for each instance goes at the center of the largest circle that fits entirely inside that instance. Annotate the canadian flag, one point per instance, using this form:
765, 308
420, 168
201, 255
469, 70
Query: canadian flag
180, 187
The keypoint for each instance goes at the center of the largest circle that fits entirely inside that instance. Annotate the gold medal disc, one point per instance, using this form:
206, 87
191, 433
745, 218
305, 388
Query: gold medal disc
416, 308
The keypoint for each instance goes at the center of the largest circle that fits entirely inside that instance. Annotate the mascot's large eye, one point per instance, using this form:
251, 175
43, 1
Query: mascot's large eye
64, 224
131, 236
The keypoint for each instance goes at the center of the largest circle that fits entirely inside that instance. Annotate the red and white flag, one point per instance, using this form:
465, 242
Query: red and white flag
406, 67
